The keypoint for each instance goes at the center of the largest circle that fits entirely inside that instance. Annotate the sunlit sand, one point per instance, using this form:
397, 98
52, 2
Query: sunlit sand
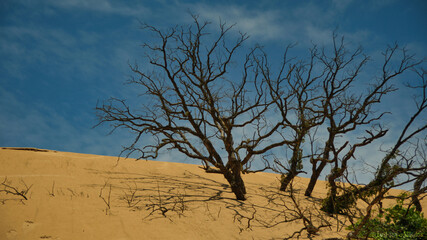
81, 196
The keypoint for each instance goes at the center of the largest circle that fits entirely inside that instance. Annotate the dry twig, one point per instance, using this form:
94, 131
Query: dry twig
9, 189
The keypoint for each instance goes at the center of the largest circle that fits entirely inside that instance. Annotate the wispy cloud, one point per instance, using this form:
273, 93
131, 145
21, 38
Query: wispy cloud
258, 24
43, 127
91, 57
304, 23
102, 6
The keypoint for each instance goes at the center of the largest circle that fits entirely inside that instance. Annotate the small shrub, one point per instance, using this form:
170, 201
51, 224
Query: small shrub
396, 222
340, 205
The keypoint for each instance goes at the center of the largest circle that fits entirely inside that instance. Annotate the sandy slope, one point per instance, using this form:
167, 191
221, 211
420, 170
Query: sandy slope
148, 200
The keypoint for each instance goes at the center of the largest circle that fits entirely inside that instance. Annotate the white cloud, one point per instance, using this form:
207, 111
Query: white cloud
258, 24
305, 23
103, 6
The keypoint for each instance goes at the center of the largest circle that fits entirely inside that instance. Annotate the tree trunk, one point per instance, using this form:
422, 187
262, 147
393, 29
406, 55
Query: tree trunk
417, 203
295, 162
330, 204
233, 174
286, 180
236, 183
417, 190
314, 176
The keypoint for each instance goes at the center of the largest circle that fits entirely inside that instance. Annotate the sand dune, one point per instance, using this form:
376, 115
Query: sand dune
81, 196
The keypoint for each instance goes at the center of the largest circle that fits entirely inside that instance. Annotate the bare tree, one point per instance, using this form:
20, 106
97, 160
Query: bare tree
347, 112
403, 163
197, 99
295, 89
322, 94
194, 101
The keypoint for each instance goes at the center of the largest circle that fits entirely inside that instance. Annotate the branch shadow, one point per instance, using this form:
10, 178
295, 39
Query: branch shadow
172, 196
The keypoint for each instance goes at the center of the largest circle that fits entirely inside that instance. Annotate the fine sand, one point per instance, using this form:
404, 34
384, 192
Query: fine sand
81, 196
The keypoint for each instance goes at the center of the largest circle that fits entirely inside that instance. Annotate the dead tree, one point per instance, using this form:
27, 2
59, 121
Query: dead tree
354, 112
295, 89
322, 94
404, 160
348, 112
195, 102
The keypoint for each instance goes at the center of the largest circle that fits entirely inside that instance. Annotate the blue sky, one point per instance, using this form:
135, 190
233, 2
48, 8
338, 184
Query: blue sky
58, 58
